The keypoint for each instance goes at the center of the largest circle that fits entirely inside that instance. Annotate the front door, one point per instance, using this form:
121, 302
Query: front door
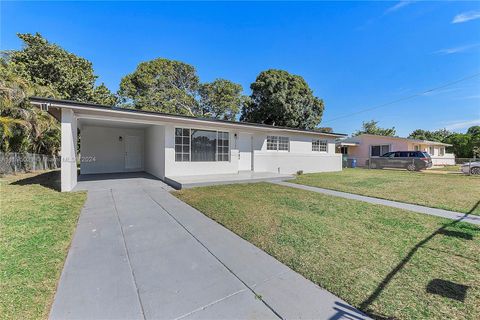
133, 152
245, 151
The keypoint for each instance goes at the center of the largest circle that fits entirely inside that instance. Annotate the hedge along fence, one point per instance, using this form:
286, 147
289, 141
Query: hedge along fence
25, 162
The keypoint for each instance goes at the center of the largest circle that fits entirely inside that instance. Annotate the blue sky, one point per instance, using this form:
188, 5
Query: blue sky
354, 55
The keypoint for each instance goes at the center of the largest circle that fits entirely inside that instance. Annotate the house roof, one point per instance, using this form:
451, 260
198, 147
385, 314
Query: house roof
355, 140
57, 103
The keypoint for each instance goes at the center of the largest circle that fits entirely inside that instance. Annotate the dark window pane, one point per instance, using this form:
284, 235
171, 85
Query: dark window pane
186, 157
178, 157
178, 131
186, 149
178, 148
178, 140
375, 151
204, 144
404, 154
186, 132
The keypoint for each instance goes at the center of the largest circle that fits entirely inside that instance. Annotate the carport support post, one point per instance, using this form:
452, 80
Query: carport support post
69, 150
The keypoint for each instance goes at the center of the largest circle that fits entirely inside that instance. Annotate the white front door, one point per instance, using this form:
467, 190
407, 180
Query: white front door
133, 152
245, 151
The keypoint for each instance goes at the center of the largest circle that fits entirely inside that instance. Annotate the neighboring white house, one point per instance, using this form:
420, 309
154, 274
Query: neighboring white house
124, 140
364, 146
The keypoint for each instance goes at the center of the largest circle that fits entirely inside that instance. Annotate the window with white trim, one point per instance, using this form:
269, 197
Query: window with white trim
441, 151
431, 150
223, 146
201, 145
182, 144
276, 143
319, 145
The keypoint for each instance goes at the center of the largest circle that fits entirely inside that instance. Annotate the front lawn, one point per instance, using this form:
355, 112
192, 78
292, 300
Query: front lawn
386, 261
450, 192
36, 226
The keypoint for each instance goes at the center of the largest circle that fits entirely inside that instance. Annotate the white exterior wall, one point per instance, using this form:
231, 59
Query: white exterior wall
158, 152
68, 150
103, 144
299, 157
155, 151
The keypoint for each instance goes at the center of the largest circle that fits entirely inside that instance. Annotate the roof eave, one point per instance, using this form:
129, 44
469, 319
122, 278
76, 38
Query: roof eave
85, 106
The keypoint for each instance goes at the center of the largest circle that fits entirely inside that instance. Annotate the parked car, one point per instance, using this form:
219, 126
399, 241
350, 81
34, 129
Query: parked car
410, 160
471, 167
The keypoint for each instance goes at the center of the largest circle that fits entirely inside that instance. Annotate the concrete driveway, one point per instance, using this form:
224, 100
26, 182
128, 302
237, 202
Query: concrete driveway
140, 253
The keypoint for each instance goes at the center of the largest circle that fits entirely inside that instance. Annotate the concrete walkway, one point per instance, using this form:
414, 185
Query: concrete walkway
401, 205
140, 253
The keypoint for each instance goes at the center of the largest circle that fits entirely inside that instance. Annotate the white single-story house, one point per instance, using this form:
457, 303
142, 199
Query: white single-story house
116, 140
365, 146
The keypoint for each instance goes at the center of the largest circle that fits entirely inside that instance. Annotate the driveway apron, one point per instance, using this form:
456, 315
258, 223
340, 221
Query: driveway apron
140, 253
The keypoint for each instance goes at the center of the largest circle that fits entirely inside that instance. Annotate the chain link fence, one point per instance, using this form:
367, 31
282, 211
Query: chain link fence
469, 166
13, 162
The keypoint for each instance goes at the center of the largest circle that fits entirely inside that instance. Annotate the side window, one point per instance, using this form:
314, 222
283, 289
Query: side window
375, 151
182, 144
397, 154
411, 154
404, 154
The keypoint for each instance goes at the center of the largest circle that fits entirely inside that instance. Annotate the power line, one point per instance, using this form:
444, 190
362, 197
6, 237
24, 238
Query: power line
405, 98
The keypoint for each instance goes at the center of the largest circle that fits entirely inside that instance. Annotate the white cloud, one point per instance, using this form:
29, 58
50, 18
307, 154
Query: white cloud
398, 6
462, 124
466, 16
457, 49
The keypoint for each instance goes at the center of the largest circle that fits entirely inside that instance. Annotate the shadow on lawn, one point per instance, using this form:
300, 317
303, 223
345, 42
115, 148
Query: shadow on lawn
50, 179
436, 286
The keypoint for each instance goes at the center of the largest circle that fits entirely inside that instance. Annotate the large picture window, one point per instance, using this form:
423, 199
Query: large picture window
201, 145
377, 151
276, 143
319, 145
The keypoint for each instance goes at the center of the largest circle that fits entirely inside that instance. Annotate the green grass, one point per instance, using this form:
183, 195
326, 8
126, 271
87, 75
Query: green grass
350, 248
450, 192
451, 168
36, 226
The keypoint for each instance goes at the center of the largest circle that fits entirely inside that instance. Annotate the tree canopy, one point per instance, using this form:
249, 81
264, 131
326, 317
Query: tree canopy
282, 99
44, 69
221, 99
162, 85
371, 127
438, 135
464, 145
46, 64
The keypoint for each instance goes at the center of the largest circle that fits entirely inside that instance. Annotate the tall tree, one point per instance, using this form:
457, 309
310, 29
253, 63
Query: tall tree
162, 85
44, 69
282, 99
103, 95
371, 127
221, 99
47, 64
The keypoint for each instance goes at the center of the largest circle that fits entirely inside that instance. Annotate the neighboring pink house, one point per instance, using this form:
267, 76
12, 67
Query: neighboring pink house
364, 146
